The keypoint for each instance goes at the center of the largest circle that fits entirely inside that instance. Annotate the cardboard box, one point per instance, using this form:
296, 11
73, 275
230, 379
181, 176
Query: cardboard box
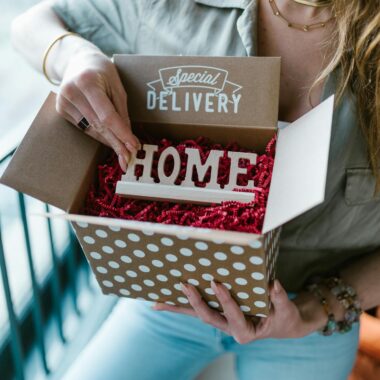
56, 163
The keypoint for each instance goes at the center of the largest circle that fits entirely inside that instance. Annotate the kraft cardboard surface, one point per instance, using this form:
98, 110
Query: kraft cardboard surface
219, 91
52, 160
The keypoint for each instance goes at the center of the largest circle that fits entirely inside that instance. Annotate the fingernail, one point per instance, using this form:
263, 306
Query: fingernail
214, 287
122, 163
277, 287
184, 288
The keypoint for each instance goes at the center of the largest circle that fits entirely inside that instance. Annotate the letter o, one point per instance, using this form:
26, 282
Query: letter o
164, 179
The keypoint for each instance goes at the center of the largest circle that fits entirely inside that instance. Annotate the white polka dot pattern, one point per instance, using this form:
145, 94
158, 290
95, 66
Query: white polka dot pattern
209, 291
207, 277
201, 245
149, 283
144, 268
260, 304
95, 255
167, 241
172, 258
241, 281
238, 266
139, 253
151, 266
256, 260
82, 224
175, 272
158, 263
220, 256
185, 252
152, 247
205, 262
183, 300
131, 273
113, 264
120, 243
190, 267
107, 249
257, 276
213, 304
89, 240
258, 290
133, 237
101, 233
107, 284
223, 271
237, 250
161, 277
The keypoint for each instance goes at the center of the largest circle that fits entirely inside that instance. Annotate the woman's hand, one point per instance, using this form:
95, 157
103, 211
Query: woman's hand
91, 89
287, 319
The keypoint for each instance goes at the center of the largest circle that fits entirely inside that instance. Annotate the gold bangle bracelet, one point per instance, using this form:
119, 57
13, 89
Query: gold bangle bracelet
46, 54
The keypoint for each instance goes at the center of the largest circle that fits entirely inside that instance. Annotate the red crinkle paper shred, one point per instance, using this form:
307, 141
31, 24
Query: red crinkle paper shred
233, 216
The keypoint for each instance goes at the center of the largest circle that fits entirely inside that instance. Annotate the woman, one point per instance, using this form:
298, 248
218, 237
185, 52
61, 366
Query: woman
326, 46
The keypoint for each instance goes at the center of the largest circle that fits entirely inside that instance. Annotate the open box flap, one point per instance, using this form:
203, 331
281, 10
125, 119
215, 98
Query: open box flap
300, 169
52, 160
218, 91
219, 236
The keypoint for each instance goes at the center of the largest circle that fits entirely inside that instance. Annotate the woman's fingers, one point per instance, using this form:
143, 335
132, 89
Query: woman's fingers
71, 93
71, 113
174, 309
68, 110
120, 149
108, 116
119, 99
242, 330
204, 312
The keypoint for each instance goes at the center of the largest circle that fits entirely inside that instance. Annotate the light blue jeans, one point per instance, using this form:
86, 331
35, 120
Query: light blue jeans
138, 343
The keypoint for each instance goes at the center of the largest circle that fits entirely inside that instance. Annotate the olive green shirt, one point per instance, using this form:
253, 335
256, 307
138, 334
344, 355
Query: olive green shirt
319, 242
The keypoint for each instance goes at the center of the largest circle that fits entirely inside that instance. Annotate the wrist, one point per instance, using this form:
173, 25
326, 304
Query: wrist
335, 306
311, 311
62, 54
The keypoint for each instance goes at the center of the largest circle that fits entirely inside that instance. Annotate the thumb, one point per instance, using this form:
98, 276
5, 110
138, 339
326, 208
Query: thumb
278, 295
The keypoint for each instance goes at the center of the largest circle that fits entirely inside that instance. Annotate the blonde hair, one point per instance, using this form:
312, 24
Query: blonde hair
357, 52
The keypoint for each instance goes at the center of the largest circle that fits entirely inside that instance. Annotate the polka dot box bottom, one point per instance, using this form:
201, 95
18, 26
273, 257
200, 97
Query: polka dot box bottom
150, 266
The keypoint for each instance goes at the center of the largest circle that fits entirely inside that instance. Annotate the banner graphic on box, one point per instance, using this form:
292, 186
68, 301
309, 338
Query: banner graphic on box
222, 96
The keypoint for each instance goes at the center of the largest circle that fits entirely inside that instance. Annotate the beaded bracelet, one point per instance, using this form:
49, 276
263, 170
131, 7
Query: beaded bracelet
347, 297
331, 324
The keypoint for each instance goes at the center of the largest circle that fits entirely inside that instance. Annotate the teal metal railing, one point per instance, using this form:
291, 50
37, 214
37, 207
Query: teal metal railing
27, 331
